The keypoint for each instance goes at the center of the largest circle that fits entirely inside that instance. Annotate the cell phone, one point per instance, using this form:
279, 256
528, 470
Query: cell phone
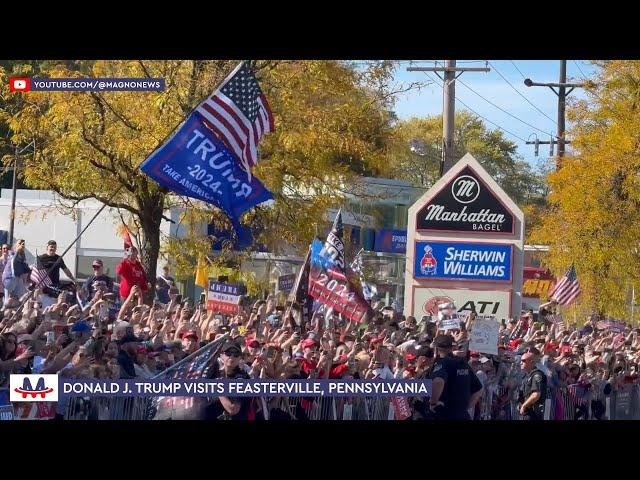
179, 298
50, 338
203, 298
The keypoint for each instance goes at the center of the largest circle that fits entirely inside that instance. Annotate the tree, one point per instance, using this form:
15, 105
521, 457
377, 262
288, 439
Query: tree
417, 152
331, 124
595, 194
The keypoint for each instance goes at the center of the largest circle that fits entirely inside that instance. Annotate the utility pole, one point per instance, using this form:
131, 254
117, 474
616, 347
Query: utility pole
537, 144
448, 105
562, 94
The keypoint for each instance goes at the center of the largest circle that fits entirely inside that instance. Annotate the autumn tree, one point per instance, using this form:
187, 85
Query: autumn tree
417, 150
595, 194
331, 123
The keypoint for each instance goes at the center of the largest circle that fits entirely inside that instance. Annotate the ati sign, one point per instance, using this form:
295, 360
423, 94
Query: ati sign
496, 303
465, 204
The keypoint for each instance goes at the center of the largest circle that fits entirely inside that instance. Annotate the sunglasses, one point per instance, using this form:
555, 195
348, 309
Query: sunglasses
233, 353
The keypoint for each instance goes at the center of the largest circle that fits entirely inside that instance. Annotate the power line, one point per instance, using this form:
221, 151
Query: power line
481, 116
502, 109
519, 93
578, 65
514, 64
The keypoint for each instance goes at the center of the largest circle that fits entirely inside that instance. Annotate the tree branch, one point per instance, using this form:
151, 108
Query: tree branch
111, 157
144, 69
119, 115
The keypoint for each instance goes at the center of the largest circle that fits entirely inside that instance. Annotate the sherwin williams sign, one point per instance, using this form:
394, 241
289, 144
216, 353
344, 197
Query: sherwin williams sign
465, 204
463, 261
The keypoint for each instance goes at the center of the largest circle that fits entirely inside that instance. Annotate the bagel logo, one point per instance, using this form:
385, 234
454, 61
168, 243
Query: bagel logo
465, 189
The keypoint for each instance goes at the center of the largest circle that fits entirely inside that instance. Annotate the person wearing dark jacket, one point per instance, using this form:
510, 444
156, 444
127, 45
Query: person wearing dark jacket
126, 356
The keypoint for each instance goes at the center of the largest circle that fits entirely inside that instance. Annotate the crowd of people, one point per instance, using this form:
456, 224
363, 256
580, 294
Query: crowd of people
97, 332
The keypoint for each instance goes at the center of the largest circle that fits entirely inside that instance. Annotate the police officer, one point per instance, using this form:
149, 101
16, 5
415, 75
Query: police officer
533, 392
424, 364
455, 386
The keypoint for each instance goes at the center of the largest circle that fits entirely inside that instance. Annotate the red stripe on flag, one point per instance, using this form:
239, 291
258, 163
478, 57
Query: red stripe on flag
226, 123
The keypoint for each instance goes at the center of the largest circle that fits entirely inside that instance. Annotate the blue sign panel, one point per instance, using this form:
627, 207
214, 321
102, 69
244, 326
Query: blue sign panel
463, 261
231, 289
391, 241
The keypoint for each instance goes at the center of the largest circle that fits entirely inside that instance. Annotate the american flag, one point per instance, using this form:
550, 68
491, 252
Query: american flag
369, 290
239, 114
567, 289
201, 365
39, 276
555, 318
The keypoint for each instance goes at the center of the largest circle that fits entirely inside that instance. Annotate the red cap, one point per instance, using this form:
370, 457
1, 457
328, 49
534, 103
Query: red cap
251, 341
339, 370
513, 344
565, 349
20, 349
474, 354
308, 343
410, 357
550, 346
189, 334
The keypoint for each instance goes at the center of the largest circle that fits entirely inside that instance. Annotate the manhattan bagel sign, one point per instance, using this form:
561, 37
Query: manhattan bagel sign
465, 238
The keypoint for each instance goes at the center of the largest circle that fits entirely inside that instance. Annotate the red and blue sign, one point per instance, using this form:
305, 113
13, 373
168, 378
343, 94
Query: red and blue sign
463, 261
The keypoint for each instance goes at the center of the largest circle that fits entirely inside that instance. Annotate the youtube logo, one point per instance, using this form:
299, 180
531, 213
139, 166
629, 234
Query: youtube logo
19, 84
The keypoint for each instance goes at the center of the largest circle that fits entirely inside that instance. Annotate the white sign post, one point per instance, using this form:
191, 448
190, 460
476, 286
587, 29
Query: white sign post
465, 244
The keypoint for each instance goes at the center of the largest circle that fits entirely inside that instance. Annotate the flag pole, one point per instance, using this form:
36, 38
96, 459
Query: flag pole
104, 205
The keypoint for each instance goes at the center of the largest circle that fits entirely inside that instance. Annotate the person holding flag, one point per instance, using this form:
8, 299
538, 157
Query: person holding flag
328, 280
567, 289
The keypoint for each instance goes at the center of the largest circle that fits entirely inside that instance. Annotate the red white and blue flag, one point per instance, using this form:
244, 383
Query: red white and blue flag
567, 288
238, 112
39, 277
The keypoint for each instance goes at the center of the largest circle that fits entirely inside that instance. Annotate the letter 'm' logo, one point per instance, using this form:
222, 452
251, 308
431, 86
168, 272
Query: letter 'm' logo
29, 388
465, 189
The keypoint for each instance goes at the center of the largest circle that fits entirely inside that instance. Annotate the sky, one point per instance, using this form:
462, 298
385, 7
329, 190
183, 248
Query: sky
494, 88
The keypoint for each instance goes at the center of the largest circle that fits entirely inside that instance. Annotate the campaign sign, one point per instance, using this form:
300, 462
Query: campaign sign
223, 297
449, 324
6, 412
484, 336
285, 282
463, 261
333, 289
195, 163
391, 241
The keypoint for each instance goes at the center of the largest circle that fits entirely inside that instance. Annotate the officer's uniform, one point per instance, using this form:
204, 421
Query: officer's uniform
535, 381
460, 382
